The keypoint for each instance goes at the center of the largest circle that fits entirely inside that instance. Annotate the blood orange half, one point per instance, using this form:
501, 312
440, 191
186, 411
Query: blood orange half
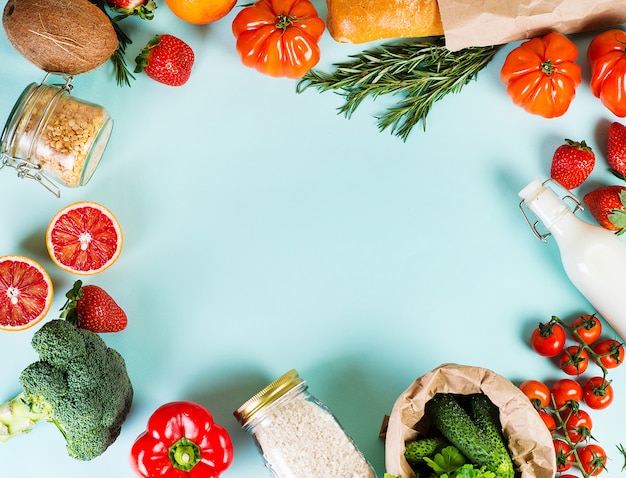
25, 293
84, 238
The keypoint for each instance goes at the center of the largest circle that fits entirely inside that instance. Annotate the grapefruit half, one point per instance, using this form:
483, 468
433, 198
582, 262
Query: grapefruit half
84, 238
25, 293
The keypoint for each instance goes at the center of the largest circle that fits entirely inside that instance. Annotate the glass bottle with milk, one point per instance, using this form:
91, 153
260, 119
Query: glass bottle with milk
594, 258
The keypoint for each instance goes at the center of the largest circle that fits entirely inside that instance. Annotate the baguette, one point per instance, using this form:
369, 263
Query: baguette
360, 21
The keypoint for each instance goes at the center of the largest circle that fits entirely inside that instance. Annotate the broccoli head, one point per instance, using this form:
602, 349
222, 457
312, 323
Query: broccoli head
78, 383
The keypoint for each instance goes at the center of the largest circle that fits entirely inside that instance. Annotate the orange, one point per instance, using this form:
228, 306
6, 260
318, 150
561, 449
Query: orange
84, 238
25, 293
200, 12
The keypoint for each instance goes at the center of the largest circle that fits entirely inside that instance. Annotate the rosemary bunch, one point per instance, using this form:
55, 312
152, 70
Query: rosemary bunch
420, 73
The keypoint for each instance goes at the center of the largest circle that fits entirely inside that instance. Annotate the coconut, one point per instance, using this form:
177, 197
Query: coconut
60, 36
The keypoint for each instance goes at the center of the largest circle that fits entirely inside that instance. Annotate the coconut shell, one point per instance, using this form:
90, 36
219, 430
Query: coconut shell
60, 36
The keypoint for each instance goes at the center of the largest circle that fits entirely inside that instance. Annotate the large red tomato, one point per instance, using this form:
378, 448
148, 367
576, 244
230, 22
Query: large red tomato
541, 74
607, 58
279, 37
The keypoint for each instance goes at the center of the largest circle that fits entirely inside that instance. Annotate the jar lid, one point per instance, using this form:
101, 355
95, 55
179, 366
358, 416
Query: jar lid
270, 394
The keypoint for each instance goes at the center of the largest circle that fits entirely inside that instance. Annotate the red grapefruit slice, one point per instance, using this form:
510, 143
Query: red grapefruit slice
25, 293
84, 238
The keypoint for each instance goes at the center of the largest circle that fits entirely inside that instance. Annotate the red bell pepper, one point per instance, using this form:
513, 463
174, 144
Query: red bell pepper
182, 441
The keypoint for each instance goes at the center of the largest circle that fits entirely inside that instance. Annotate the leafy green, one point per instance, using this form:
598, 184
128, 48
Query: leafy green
389, 475
448, 460
471, 471
450, 463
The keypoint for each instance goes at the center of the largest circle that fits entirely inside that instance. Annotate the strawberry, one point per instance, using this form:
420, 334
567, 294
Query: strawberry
90, 307
142, 8
166, 59
607, 205
616, 149
572, 163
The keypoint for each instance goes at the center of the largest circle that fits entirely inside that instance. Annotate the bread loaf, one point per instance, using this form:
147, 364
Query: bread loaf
360, 21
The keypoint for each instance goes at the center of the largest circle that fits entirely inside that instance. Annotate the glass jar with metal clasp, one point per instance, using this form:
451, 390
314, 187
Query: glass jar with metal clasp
52, 137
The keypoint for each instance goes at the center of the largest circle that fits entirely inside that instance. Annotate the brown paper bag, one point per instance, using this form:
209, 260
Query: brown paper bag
528, 438
469, 23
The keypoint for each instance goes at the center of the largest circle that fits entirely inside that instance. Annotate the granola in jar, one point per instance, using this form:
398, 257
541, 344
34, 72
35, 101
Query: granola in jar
61, 136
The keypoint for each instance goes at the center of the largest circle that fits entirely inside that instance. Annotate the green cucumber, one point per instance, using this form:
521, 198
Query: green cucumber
455, 423
416, 450
486, 416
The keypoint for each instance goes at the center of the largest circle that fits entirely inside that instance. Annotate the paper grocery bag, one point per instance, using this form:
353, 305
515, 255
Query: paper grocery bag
529, 440
469, 23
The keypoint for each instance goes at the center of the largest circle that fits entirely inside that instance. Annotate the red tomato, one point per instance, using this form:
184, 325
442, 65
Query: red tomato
578, 425
566, 391
541, 74
548, 420
564, 456
598, 393
607, 59
588, 327
593, 459
611, 353
574, 360
279, 37
537, 392
548, 339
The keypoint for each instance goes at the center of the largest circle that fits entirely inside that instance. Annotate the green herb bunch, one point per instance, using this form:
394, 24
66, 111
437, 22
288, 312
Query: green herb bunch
419, 73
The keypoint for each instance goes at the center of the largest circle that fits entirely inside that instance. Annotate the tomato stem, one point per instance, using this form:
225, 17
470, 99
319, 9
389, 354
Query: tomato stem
284, 21
547, 67
592, 354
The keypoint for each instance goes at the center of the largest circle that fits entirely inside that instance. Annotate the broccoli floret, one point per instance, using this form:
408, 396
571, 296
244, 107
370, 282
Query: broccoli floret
78, 383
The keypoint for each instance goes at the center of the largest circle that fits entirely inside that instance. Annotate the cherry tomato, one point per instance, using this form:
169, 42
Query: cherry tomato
607, 59
593, 459
548, 420
566, 391
537, 392
578, 425
611, 352
574, 360
548, 339
598, 393
588, 327
564, 456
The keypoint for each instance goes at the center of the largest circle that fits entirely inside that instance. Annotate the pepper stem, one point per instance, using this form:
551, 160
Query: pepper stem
184, 454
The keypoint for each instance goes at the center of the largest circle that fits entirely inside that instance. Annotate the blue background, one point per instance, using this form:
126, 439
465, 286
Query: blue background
265, 232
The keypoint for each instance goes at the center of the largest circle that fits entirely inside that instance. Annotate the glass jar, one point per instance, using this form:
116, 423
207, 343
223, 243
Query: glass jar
298, 435
50, 133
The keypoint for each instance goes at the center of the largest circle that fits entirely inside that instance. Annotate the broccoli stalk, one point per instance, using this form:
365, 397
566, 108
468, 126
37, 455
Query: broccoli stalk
17, 416
78, 383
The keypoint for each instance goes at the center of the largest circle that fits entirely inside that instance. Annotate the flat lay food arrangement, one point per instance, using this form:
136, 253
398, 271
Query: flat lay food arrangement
303, 238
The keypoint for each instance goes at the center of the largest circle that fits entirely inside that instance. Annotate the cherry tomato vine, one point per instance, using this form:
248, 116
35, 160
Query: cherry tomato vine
560, 405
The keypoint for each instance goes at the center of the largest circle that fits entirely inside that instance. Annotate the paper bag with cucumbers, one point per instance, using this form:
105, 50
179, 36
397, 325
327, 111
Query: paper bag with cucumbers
469, 23
528, 439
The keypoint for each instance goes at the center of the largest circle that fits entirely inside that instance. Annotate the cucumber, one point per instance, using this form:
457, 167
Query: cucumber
486, 416
416, 450
454, 423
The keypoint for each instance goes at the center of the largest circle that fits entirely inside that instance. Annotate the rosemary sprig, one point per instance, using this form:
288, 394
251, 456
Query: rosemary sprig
420, 73
122, 74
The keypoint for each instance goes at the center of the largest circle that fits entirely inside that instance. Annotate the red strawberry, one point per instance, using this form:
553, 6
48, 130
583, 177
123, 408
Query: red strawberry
572, 163
90, 307
166, 59
616, 149
142, 8
607, 205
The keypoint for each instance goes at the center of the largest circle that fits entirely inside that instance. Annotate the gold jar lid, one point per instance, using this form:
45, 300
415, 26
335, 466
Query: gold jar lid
269, 395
